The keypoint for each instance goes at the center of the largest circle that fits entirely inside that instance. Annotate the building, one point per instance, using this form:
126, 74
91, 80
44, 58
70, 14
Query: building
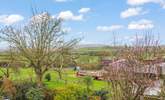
151, 69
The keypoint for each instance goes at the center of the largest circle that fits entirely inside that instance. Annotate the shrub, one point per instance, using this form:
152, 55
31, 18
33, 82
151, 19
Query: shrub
103, 94
8, 89
48, 77
49, 94
94, 98
35, 94
22, 88
88, 81
71, 92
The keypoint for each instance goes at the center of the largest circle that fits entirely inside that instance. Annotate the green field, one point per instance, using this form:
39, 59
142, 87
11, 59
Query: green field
69, 78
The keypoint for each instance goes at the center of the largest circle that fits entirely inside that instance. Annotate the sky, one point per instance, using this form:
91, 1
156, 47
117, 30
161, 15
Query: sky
95, 21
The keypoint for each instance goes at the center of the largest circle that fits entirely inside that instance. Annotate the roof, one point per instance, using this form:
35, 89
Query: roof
133, 65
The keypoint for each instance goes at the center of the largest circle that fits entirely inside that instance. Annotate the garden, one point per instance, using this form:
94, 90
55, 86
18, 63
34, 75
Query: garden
67, 88
40, 61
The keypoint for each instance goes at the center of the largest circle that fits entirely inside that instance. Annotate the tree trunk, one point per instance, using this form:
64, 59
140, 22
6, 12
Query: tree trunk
7, 73
39, 80
60, 74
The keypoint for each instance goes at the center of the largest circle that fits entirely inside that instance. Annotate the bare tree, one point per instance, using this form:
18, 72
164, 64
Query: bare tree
38, 42
9, 62
136, 70
65, 58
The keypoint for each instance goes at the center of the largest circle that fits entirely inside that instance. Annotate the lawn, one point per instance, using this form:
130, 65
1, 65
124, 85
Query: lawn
69, 78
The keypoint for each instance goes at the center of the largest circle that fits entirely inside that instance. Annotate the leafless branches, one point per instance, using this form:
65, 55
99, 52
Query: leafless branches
136, 70
38, 42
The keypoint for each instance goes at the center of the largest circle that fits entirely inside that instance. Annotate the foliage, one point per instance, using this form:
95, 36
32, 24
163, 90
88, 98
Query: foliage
22, 88
88, 81
48, 77
35, 94
71, 92
76, 92
48, 94
103, 94
25, 90
8, 89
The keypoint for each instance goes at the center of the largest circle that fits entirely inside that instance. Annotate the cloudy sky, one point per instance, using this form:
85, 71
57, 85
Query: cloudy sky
96, 21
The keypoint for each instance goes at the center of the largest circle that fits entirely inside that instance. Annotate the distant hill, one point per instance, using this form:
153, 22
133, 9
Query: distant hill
91, 45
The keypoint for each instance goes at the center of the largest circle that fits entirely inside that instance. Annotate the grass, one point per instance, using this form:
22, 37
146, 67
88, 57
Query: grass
69, 78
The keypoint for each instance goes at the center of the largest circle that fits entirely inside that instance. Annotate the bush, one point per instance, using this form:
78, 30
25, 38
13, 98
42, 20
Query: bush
75, 92
88, 81
103, 94
48, 77
94, 98
49, 94
71, 92
35, 94
8, 89
22, 88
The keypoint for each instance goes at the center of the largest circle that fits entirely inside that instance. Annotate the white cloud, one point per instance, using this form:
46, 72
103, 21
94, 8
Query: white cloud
164, 6
141, 2
68, 15
141, 25
133, 38
10, 19
84, 10
81, 32
109, 28
61, 0
39, 17
67, 29
131, 12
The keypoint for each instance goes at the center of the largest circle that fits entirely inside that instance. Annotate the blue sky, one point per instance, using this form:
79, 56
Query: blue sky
94, 20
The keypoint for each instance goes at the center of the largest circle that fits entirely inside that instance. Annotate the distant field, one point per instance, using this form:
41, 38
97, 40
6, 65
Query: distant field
68, 75
90, 57
86, 49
